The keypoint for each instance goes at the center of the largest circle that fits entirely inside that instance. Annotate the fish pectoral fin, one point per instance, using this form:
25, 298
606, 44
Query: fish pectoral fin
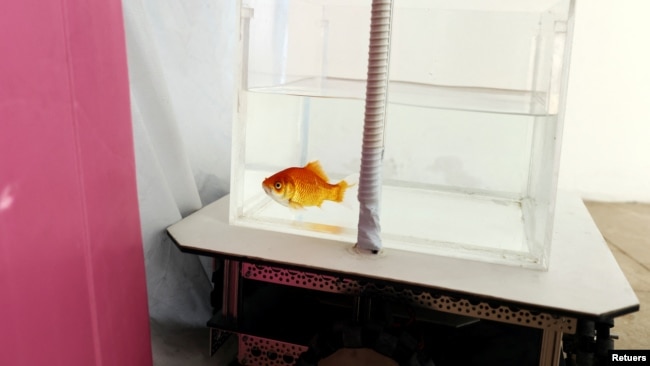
295, 206
316, 168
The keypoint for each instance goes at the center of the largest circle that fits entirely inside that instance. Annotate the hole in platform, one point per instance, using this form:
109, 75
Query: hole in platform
288, 359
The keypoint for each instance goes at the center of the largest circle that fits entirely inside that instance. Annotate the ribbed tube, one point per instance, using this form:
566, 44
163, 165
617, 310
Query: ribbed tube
369, 227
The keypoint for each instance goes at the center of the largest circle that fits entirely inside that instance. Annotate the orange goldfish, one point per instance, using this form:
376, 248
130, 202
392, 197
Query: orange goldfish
300, 187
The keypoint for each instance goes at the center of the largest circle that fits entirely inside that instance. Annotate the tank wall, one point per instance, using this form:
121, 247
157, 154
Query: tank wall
472, 127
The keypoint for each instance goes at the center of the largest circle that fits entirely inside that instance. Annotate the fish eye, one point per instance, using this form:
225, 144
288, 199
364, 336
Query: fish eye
278, 185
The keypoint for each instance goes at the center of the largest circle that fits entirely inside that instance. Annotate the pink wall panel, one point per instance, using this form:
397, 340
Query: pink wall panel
72, 287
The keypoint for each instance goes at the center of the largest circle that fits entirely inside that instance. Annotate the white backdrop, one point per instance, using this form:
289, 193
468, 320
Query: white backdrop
606, 147
180, 55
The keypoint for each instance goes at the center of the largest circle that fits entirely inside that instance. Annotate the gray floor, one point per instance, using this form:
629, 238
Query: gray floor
176, 346
625, 226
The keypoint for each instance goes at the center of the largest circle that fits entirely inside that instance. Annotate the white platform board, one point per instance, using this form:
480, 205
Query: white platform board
583, 277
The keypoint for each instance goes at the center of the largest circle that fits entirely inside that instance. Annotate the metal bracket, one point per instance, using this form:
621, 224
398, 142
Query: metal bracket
424, 299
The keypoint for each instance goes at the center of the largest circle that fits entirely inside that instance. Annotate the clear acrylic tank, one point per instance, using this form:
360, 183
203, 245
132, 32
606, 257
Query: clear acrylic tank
473, 124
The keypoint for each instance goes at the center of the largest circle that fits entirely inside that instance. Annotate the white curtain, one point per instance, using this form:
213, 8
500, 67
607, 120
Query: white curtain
181, 62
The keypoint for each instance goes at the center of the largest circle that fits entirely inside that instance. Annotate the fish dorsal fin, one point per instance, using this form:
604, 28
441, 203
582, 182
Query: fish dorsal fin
314, 167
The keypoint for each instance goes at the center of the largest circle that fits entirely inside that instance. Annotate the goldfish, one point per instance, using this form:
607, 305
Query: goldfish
299, 187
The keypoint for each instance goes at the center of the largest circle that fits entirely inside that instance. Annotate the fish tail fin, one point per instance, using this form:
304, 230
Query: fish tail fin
339, 192
352, 180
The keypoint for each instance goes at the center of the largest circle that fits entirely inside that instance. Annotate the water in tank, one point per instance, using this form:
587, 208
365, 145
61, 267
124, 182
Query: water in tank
472, 131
